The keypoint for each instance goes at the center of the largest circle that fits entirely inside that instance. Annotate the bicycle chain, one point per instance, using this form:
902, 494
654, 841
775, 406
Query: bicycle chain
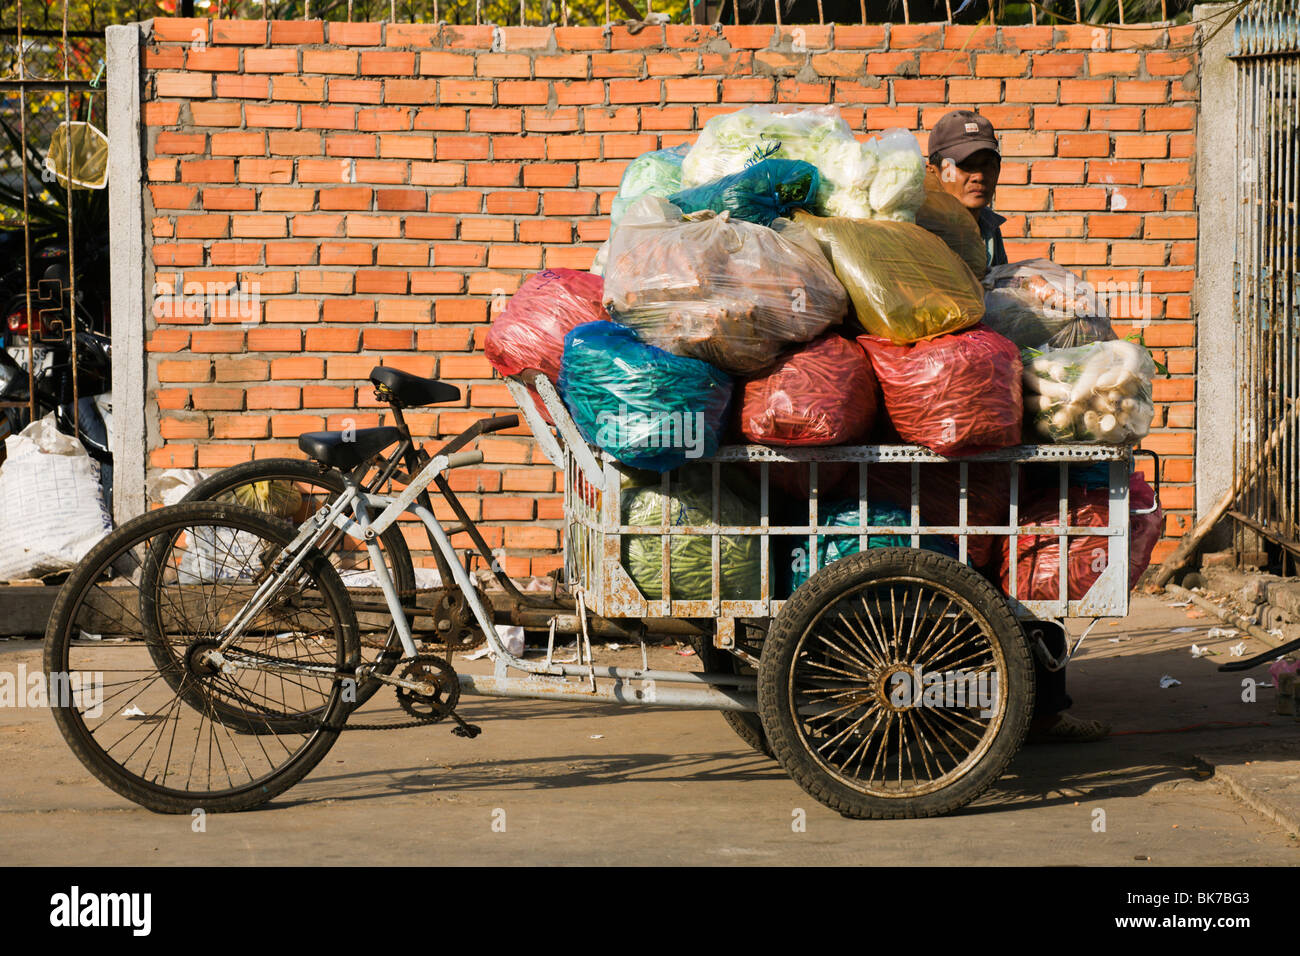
419, 721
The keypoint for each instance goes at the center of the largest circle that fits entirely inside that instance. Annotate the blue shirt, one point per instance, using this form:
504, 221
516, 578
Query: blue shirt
990, 224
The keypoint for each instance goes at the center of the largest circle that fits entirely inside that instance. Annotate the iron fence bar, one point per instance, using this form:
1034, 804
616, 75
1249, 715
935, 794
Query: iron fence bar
80, 86
38, 32
72, 258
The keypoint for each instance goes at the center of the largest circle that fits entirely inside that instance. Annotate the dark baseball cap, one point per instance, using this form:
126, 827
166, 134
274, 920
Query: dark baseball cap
960, 134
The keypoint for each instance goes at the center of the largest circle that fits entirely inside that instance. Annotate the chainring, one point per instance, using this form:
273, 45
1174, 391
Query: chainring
430, 707
453, 620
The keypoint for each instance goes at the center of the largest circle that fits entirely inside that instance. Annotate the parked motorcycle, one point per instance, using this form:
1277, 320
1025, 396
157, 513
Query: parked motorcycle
40, 329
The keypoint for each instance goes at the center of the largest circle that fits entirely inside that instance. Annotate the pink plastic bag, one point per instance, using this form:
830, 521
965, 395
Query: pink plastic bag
958, 393
823, 393
529, 332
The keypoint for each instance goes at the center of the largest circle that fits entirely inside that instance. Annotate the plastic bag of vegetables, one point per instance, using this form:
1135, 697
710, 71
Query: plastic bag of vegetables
823, 393
529, 333
953, 394
898, 189
905, 283
656, 173
952, 222
1038, 565
1036, 303
758, 193
1096, 392
818, 135
730, 293
690, 502
644, 406
795, 570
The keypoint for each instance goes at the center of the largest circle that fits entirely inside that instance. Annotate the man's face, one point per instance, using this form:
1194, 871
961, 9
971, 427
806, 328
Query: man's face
973, 180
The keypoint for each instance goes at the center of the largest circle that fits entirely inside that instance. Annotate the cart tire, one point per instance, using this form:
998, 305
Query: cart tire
748, 726
823, 678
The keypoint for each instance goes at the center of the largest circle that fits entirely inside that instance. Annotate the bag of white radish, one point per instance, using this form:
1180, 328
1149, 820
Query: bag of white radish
1100, 392
1036, 303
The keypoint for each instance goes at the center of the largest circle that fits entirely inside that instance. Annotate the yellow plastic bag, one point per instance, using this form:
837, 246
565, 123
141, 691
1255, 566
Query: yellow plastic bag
78, 155
947, 218
905, 283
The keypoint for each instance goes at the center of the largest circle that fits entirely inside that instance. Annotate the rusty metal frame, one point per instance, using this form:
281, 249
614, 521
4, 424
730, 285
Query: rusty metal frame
594, 530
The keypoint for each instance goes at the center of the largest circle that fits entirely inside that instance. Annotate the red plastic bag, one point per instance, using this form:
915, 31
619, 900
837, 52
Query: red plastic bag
823, 393
954, 393
1038, 568
1146, 524
529, 332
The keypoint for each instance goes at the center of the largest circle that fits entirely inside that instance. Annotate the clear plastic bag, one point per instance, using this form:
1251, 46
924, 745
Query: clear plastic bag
758, 193
818, 135
1095, 392
823, 393
690, 502
905, 283
943, 215
656, 173
957, 393
729, 293
898, 189
644, 406
1037, 303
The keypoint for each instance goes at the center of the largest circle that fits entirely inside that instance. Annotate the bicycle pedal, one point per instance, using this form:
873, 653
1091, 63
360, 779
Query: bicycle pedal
462, 729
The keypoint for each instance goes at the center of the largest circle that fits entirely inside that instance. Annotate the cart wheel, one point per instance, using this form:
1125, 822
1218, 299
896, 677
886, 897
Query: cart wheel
839, 695
748, 726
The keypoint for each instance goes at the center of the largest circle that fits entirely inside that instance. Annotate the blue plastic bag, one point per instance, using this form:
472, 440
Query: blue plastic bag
646, 407
831, 547
760, 193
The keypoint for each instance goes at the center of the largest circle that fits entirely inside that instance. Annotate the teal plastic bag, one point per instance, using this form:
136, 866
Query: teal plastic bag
760, 193
646, 407
657, 173
690, 502
831, 547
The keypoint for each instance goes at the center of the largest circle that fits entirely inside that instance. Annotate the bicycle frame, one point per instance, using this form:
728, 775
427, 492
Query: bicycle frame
349, 513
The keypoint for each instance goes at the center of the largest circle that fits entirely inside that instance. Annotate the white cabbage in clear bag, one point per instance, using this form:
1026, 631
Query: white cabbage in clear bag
817, 135
898, 189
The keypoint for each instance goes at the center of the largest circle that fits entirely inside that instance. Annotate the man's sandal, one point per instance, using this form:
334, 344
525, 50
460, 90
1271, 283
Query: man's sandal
1069, 730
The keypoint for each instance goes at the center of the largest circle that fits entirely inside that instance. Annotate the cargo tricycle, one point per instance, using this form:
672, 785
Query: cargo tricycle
208, 654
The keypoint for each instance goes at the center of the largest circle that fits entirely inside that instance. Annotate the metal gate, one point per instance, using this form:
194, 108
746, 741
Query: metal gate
54, 323
1266, 288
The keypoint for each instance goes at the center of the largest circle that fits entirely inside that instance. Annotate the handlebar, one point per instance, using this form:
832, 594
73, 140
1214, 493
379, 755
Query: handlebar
478, 428
461, 459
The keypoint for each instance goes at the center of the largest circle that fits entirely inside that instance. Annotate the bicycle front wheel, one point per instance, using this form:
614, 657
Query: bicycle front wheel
133, 687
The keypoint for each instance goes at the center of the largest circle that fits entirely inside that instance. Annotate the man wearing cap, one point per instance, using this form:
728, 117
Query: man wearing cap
964, 154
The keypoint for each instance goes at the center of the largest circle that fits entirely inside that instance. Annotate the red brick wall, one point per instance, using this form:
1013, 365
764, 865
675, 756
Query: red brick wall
385, 183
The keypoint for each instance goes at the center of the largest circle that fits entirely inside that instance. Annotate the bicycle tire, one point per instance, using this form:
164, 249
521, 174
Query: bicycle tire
78, 604
398, 555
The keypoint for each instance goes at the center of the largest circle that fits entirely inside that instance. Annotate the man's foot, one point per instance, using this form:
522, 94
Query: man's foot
1065, 729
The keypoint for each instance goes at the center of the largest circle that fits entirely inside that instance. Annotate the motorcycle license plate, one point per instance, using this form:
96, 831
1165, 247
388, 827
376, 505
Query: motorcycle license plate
19, 355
